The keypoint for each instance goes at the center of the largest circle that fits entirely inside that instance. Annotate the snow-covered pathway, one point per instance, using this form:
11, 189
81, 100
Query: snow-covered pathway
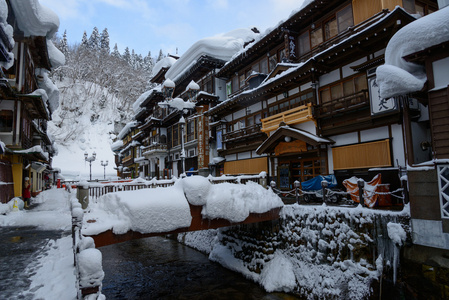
40, 249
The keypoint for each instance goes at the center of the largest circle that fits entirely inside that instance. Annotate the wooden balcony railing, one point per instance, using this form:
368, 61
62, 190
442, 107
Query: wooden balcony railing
242, 133
154, 148
293, 116
344, 104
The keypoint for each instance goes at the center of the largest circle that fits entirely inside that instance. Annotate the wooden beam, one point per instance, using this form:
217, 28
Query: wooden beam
198, 223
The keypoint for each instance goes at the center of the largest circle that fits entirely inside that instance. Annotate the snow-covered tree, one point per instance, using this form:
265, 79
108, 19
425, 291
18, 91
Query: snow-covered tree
94, 40
104, 41
127, 56
84, 41
161, 55
148, 63
115, 52
63, 46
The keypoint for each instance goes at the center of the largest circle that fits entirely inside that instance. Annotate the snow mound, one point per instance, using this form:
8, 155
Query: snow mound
278, 275
235, 202
425, 32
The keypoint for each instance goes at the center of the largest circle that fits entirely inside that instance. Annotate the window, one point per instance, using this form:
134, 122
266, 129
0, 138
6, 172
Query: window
255, 68
282, 55
6, 120
242, 78
316, 37
409, 6
304, 43
264, 66
330, 29
344, 18
273, 61
235, 84
345, 88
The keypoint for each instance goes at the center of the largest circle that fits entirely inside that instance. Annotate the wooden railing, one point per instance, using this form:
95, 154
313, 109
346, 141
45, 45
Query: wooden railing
97, 189
296, 115
155, 147
242, 133
344, 104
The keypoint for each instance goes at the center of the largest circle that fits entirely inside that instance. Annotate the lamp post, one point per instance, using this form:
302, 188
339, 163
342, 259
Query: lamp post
90, 159
104, 166
180, 105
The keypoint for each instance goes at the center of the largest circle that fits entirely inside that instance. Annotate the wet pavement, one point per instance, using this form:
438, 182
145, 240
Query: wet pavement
20, 248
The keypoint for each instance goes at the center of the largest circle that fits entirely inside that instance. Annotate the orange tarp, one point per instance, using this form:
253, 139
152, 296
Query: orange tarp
369, 191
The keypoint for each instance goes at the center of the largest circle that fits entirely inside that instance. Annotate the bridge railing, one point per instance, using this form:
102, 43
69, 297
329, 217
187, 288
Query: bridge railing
98, 189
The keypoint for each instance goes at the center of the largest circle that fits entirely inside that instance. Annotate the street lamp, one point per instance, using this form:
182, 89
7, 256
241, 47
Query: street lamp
180, 105
90, 159
104, 165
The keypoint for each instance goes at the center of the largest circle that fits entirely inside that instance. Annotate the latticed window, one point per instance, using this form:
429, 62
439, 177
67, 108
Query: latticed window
443, 187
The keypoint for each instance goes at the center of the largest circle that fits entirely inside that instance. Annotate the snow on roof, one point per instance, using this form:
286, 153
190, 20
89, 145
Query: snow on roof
399, 77
222, 46
127, 129
136, 105
166, 62
35, 19
8, 30
192, 86
52, 92
57, 58
117, 145
178, 104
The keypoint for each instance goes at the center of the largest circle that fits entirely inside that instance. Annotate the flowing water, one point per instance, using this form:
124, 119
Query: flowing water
160, 268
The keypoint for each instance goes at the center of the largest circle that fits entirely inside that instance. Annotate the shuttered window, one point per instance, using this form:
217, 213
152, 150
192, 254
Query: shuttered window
361, 156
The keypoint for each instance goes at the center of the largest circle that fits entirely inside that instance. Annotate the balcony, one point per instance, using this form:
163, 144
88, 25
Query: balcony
154, 149
293, 116
243, 133
344, 104
128, 160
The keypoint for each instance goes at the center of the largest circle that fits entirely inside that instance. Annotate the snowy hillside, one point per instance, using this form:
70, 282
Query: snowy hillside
84, 121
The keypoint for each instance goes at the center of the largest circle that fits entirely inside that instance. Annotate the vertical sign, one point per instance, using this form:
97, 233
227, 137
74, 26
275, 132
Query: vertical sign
203, 144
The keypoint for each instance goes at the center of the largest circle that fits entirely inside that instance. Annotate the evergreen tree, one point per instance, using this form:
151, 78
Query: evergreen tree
63, 45
84, 40
115, 52
148, 63
161, 56
104, 41
94, 40
127, 56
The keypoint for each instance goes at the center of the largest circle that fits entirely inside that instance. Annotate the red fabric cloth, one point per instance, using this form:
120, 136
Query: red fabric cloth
26, 191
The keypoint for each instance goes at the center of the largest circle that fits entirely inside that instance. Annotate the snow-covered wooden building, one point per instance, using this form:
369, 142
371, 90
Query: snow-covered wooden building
28, 97
303, 100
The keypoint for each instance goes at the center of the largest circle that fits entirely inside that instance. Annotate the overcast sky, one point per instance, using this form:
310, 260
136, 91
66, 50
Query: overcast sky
150, 25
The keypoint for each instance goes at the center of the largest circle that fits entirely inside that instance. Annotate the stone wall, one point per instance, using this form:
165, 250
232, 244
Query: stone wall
318, 251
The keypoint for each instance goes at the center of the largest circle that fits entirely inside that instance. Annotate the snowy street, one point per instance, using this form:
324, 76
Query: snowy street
36, 257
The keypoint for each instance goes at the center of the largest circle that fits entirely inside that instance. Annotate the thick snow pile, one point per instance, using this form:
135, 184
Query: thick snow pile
8, 30
235, 202
52, 214
35, 19
165, 209
145, 211
90, 268
166, 62
278, 274
222, 47
398, 77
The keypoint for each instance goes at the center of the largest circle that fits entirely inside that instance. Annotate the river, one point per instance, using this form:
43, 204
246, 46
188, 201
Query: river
161, 268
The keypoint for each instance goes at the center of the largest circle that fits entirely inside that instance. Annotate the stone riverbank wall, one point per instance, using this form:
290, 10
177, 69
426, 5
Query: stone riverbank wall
317, 252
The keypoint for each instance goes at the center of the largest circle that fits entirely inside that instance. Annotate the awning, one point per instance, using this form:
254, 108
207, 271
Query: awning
286, 134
